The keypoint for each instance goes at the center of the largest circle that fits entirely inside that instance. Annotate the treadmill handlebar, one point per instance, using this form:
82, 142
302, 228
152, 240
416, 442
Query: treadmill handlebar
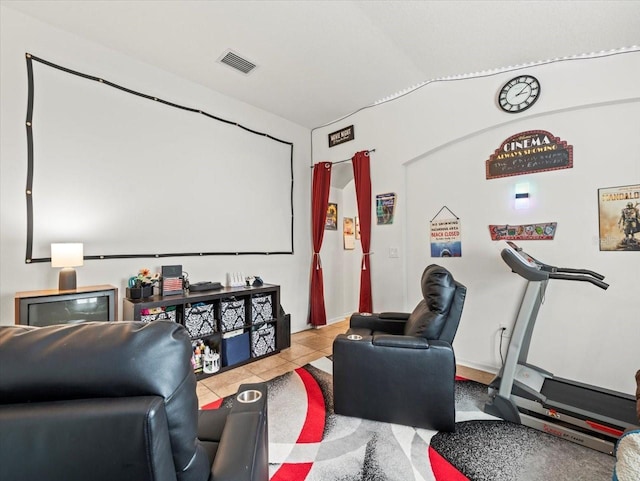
534, 270
580, 271
580, 277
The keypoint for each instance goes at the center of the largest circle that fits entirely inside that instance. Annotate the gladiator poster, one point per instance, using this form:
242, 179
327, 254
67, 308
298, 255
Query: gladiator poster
619, 210
331, 221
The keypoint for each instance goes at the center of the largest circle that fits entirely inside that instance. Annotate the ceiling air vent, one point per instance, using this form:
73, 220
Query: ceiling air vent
235, 61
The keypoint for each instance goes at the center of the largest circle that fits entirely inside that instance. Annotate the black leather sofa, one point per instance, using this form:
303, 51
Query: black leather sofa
399, 367
107, 401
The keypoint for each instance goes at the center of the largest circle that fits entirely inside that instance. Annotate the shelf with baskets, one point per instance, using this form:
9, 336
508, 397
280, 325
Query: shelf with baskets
232, 325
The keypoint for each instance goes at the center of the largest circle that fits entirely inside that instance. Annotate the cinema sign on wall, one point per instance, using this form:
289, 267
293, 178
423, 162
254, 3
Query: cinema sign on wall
529, 152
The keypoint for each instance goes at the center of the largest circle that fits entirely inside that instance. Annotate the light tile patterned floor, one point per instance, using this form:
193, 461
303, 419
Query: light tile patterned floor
306, 346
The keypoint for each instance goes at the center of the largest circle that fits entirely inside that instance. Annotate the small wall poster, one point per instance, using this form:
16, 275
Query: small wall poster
348, 233
332, 217
385, 206
445, 238
619, 212
543, 231
357, 228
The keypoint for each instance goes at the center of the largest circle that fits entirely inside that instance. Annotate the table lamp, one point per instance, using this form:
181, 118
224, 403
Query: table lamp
67, 256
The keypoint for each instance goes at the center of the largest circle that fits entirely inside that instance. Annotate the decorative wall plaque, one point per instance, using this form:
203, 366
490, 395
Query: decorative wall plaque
529, 152
341, 136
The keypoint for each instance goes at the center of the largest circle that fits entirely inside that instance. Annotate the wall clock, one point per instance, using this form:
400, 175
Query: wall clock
519, 93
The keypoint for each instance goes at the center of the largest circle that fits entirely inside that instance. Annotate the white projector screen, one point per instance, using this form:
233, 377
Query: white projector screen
130, 175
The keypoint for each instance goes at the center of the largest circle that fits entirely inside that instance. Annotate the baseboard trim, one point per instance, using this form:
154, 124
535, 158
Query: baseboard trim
477, 365
338, 319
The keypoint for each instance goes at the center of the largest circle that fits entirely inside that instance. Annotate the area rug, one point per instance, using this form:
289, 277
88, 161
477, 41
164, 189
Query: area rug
309, 442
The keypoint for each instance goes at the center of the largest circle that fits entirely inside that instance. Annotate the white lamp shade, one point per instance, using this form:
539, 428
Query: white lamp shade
67, 254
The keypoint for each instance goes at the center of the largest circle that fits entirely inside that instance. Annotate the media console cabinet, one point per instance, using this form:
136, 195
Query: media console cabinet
240, 324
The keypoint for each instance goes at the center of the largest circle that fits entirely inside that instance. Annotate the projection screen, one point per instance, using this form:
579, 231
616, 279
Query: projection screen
133, 175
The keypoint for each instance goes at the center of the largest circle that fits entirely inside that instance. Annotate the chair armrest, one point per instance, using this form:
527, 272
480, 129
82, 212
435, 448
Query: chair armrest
400, 316
243, 452
407, 342
381, 352
377, 323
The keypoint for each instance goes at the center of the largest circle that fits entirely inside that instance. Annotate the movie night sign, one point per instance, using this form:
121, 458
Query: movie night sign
341, 136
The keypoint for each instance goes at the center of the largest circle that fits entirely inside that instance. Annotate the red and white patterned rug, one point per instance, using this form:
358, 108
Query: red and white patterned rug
309, 442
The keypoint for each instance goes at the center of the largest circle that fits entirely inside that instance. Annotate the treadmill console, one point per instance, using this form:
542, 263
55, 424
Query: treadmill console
523, 264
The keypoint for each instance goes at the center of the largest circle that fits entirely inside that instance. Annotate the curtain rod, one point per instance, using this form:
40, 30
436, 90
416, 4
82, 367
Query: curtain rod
347, 160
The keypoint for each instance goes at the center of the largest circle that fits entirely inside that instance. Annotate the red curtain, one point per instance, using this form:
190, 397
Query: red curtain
362, 180
319, 204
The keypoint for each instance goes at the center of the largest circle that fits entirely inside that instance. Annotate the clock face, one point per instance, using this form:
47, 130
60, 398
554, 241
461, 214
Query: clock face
519, 93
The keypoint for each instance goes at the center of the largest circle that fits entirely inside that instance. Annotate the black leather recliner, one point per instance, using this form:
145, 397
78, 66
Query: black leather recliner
399, 367
117, 401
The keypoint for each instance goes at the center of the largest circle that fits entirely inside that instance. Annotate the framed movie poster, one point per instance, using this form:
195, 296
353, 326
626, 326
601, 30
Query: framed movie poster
385, 207
619, 216
348, 233
331, 223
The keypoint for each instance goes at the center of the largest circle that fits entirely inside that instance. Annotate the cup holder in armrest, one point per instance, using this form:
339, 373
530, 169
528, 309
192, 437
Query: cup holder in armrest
249, 396
354, 337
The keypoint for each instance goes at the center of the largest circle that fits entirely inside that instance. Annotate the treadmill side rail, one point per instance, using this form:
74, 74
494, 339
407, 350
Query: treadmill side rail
560, 431
583, 425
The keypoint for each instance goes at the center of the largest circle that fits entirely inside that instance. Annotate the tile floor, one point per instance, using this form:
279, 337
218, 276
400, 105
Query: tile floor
306, 346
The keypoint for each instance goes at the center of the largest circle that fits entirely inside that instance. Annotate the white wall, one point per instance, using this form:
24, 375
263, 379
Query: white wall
431, 146
340, 266
21, 34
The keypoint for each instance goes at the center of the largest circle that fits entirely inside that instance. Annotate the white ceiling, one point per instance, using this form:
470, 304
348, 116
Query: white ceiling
320, 60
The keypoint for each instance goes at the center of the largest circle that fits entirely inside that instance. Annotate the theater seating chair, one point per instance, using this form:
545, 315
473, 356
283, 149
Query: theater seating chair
399, 367
107, 401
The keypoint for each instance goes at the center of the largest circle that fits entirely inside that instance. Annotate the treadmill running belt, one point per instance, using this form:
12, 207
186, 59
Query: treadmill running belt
598, 402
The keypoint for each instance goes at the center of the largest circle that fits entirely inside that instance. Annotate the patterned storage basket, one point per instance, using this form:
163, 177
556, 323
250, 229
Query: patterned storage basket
261, 308
162, 314
232, 314
199, 320
263, 340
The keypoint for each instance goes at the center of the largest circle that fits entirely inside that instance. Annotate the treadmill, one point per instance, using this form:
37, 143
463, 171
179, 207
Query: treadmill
525, 394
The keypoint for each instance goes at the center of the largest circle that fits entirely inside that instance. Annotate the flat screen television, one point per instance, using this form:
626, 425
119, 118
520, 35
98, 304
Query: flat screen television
67, 307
